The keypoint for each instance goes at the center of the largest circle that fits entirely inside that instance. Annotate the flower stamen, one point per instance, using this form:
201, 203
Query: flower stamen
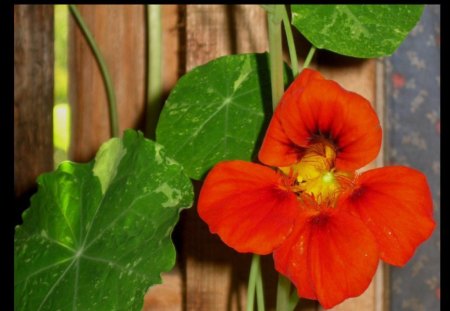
315, 175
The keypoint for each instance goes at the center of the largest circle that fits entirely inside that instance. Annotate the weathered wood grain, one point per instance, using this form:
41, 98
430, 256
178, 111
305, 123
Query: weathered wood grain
33, 97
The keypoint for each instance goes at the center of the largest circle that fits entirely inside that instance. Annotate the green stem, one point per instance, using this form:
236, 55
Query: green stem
309, 57
283, 291
290, 42
113, 118
260, 289
285, 300
254, 272
154, 70
274, 18
293, 300
276, 15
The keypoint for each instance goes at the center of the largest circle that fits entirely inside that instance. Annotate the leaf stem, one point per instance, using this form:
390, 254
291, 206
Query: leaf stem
309, 57
274, 18
254, 271
113, 117
285, 300
283, 290
290, 42
293, 300
259, 288
154, 69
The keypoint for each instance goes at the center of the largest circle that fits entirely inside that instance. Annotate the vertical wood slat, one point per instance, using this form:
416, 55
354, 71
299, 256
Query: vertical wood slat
33, 97
217, 30
171, 24
119, 31
362, 77
216, 276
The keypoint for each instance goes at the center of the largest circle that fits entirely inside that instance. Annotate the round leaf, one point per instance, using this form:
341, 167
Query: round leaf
97, 235
365, 31
217, 112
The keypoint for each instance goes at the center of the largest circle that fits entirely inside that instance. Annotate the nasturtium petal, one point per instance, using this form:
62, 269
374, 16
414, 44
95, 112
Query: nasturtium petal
248, 206
217, 111
278, 149
330, 257
364, 31
395, 204
97, 235
315, 107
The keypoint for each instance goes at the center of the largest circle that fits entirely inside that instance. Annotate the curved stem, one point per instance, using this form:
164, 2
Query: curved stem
154, 69
309, 57
113, 118
290, 42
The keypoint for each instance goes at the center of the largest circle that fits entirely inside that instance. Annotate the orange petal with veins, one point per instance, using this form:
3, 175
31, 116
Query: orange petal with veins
247, 205
396, 205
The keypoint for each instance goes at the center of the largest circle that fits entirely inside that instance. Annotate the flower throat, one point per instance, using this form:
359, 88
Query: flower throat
315, 175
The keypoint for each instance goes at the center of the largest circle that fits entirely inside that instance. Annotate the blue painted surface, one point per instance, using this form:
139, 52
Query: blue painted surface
412, 138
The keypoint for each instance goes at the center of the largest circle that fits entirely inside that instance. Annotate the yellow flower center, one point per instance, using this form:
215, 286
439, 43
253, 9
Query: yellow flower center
315, 174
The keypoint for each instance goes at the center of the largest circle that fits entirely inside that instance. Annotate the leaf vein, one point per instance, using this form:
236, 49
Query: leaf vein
44, 269
201, 126
117, 219
56, 284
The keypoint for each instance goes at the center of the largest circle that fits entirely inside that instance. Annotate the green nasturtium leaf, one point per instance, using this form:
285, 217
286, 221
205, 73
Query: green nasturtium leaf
364, 31
97, 235
217, 111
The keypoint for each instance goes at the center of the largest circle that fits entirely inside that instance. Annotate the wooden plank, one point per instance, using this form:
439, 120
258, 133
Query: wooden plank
119, 31
216, 276
166, 296
33, 97
365, 78
172, 53
218, 30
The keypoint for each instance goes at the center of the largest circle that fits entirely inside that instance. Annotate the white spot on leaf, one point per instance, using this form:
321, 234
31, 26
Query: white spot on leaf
158, 156
173, 195
107, 161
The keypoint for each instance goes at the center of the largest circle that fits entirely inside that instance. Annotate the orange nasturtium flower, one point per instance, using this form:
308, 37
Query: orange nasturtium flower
326, 224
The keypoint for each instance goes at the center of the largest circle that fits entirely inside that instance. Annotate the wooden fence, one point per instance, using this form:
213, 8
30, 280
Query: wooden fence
208, 275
